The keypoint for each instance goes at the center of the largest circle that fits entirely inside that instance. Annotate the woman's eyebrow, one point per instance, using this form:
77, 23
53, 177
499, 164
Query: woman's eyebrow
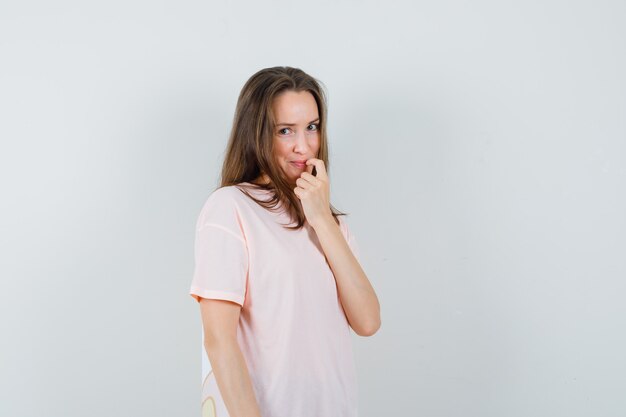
293, 124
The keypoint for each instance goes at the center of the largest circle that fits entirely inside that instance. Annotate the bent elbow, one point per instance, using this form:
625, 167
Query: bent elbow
369, 330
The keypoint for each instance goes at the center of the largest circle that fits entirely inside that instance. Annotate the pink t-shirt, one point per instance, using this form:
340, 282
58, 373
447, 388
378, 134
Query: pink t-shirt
292, 330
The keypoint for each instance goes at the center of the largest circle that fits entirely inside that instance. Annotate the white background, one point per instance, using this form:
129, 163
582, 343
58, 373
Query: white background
480, 147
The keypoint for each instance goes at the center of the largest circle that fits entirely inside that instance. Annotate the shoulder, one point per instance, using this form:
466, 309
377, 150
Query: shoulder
227, 197
225, 194
222, 206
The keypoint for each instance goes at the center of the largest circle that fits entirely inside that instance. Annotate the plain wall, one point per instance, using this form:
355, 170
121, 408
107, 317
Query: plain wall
480, 147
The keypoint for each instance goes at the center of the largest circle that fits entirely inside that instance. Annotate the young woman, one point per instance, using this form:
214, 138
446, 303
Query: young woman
276, 272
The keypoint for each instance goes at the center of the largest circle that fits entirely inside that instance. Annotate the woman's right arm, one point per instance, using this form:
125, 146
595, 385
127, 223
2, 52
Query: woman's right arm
220, 319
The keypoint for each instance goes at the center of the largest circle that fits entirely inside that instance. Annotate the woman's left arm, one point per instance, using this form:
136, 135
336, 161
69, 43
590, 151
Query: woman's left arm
358, 298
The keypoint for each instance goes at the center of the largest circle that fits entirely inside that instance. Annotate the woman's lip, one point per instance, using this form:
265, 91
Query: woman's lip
299, 164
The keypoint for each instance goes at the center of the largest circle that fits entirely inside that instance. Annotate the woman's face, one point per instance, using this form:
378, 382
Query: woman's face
296, 135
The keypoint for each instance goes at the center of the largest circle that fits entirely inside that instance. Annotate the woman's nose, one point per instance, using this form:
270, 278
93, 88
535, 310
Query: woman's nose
301, 142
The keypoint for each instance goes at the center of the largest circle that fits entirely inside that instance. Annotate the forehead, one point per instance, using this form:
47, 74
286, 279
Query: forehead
295, 107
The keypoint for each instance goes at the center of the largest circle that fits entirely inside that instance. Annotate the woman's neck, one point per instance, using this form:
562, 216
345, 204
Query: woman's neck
263, 179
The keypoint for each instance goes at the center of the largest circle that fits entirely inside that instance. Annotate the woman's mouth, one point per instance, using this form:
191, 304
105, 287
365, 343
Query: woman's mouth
298, 164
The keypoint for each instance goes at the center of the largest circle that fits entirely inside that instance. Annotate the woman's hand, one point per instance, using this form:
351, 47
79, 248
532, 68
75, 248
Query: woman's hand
314, 193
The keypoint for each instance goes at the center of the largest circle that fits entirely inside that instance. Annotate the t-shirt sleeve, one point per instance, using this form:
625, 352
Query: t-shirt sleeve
350, 238
220, 251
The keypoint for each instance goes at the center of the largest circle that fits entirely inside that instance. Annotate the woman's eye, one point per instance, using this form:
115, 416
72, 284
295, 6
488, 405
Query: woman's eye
284, 130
